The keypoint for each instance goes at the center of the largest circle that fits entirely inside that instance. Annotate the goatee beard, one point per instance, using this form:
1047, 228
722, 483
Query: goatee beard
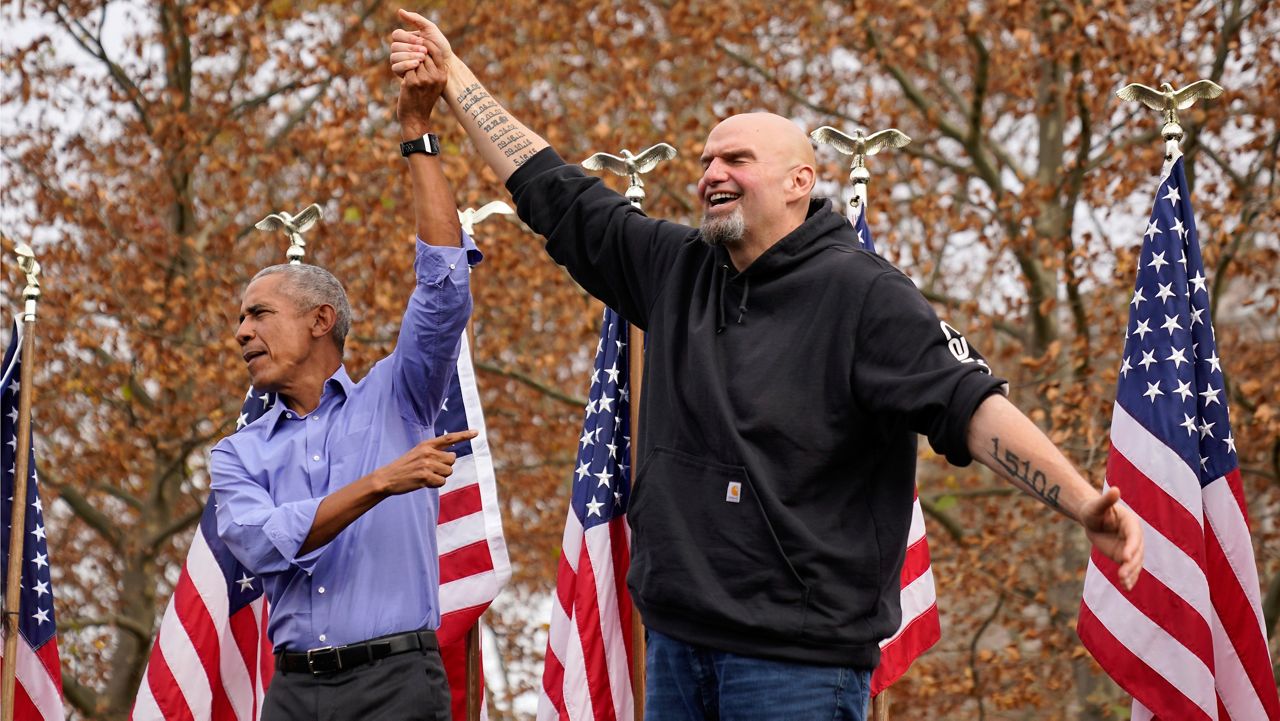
724, 230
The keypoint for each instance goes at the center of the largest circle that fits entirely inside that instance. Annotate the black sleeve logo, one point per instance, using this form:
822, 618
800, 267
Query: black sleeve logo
959, 347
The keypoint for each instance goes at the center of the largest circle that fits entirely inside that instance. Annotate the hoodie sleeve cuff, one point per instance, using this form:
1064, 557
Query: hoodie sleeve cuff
544, 160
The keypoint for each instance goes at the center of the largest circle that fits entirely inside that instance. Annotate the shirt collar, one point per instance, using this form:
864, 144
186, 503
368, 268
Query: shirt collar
339, 382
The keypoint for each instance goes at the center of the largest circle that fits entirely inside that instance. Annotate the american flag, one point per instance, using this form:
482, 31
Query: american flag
587, 674
1187, 642
212, 659
920, 627
39, 678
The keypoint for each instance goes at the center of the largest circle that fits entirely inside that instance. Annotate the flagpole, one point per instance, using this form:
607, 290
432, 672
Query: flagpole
18, 515
633, 166
475, 690
635, 359
861, 146
635, 368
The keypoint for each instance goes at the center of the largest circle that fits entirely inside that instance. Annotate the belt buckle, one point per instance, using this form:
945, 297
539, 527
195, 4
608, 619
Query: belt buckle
311, 660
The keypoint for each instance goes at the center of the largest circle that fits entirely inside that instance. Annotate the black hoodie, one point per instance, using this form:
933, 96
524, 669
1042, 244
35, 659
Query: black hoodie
777, 438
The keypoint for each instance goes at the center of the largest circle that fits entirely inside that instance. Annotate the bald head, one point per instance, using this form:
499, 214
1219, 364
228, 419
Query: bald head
758, 174
774, 136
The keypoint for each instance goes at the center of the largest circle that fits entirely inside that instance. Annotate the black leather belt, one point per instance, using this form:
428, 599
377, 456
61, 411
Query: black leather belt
329, 659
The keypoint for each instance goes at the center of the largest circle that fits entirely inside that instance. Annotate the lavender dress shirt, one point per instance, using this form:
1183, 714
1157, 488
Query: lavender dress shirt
381, 574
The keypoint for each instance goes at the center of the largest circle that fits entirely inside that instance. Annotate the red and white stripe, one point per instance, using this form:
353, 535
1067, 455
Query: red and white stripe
1188, 641
474, 565
920, 627
205, 665
587, 673
38, 692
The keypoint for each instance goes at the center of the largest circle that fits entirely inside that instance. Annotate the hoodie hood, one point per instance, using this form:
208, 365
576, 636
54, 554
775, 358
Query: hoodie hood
822, 230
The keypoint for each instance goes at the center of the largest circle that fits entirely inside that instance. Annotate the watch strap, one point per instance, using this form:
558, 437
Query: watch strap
428, 144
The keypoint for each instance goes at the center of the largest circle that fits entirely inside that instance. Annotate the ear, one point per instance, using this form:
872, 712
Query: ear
800, 184
322, 321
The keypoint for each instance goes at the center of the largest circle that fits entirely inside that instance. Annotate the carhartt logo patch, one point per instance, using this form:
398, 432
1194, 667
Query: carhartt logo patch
733, 493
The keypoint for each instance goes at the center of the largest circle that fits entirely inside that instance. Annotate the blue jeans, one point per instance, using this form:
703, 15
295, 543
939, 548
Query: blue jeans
687, 682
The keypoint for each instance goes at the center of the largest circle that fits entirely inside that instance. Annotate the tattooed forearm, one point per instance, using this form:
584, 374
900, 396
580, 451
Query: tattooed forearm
1020, 470
492, 119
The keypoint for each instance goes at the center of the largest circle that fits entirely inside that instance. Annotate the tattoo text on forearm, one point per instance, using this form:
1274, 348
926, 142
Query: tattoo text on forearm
493, 120
1021, 470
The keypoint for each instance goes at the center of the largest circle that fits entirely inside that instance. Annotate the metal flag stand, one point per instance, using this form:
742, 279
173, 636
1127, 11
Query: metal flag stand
860, 147
633, 166
475, 696
17, 516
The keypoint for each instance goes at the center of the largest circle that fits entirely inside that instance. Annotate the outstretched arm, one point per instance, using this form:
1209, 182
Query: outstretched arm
504, 142
434, 206
1006, 441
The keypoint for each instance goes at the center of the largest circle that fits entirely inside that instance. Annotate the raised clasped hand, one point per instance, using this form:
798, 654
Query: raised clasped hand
422, 40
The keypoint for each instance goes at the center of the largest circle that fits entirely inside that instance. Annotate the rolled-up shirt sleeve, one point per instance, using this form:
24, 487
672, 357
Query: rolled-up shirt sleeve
263, 535
427, 348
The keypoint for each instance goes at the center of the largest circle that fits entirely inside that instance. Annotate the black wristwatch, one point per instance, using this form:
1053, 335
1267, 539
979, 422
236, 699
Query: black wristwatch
428, 144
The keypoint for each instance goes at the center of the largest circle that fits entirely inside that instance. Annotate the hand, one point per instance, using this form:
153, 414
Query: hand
1116, 532
409, 47
420, 88
426, 465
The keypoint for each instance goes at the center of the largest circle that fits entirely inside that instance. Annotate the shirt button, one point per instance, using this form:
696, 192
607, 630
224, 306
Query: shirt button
321, 589
323, 638
288, 415
452, 266
315, 458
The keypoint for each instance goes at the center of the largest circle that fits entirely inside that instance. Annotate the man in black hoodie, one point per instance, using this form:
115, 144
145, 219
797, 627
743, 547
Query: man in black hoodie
788, 373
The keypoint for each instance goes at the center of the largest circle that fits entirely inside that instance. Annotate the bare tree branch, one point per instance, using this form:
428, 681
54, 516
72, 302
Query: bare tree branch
1013, 331
537, 385
83, 698
93, 45
951, 525
115, 621
86, 511
973, 655
178, 525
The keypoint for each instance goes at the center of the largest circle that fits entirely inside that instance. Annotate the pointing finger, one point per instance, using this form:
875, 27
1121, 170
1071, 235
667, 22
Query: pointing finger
450, 439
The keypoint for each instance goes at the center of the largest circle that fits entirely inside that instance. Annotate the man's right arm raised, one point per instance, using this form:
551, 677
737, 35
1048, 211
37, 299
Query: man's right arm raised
504, 142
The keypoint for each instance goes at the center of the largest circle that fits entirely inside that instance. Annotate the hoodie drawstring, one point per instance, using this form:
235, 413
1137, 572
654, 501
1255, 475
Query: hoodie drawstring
717, 279
746, 290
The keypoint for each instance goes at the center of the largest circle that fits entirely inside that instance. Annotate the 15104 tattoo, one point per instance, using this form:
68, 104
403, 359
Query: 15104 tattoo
1022, 471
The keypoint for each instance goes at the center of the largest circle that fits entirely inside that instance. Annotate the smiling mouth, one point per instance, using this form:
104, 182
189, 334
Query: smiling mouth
717, 200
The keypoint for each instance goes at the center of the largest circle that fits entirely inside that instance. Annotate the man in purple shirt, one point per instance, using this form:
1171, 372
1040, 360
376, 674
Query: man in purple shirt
331, 495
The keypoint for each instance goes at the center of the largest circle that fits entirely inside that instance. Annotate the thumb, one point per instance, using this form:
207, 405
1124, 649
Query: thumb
415, 19
1095, 512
